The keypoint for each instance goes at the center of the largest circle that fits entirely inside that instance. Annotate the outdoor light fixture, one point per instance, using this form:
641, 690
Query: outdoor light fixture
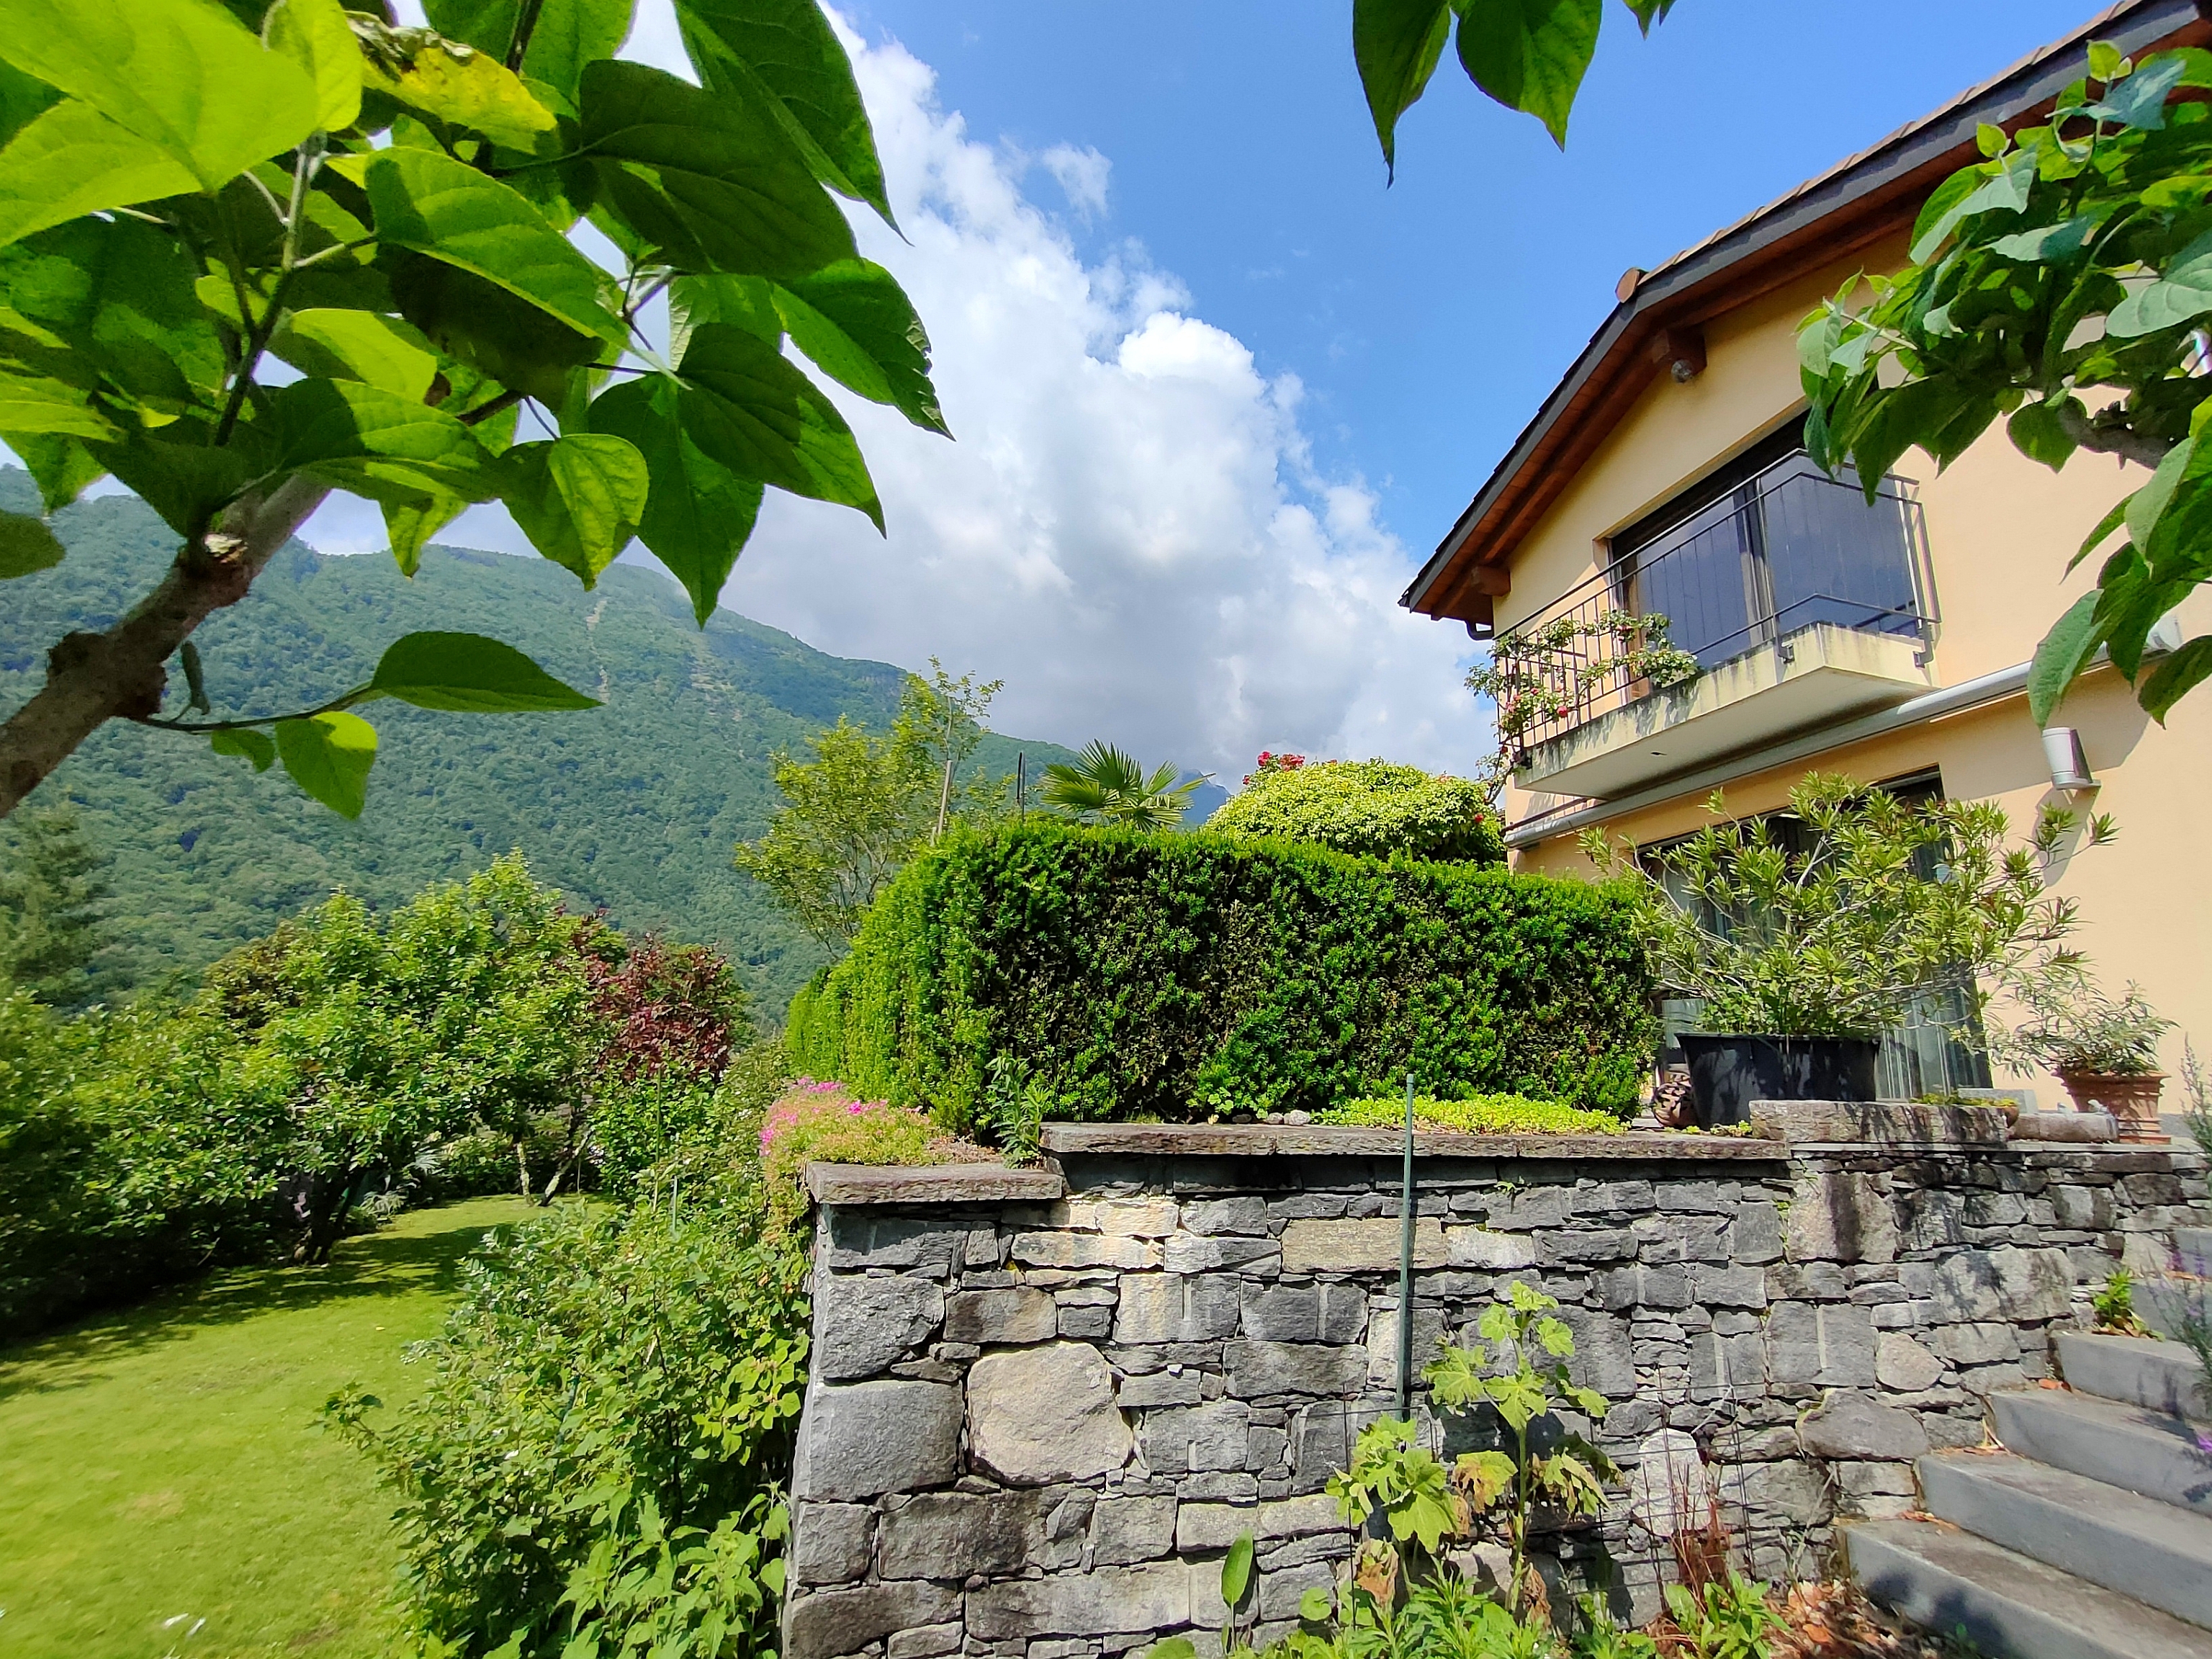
2062, 752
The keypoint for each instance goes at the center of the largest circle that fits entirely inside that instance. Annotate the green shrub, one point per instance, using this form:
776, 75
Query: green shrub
1484, 1115
1175, 976
1370, 808
593, 1466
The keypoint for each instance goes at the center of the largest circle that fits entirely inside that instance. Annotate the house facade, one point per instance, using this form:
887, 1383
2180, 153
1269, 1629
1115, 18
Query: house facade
1890, 641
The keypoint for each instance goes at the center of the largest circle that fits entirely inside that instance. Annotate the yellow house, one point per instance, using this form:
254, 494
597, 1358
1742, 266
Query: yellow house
1664, 475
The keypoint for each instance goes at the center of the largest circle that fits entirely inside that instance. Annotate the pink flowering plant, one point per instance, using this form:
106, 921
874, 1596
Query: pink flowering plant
819, 1122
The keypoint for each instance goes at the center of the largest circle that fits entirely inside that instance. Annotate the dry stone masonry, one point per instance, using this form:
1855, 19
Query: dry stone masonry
1043, 1403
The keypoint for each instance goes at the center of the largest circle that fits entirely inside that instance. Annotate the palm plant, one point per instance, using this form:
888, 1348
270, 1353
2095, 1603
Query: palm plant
1106, 786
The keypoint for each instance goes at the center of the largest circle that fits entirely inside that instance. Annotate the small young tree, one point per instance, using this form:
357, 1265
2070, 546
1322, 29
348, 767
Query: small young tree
52, 927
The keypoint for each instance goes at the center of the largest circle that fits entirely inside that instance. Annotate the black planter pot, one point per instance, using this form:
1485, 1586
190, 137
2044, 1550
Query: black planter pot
1727, 1073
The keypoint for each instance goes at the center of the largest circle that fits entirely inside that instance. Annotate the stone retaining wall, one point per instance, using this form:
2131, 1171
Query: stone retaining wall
1034, 1424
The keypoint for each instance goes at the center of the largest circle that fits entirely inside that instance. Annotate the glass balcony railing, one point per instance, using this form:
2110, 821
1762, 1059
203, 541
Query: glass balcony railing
1786, 551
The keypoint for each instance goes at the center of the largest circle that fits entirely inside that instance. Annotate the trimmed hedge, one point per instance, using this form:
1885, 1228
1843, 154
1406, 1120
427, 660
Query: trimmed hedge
1371, 808
1172, 976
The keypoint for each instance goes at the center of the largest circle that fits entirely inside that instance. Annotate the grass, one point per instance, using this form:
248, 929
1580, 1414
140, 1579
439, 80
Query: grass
164, 1463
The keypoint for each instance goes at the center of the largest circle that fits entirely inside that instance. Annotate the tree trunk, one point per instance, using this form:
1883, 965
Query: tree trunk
92, 678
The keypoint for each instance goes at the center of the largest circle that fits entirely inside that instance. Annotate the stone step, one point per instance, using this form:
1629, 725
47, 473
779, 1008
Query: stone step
2162, 1376
2154, 1552
2150, 1453
2194, 1247
1951, 1581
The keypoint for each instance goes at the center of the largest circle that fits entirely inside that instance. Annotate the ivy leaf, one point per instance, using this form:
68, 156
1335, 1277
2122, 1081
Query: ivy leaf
366, 440
1396, 44
855, 320
26, 546
1530, 55
579, 499
357, 345
785, 52
710, 181
446, 210
73, 161
247, 744
698, 513
761, 418
182, 74
2179, 674
2059, 660
315, 35
468, 674
329, 756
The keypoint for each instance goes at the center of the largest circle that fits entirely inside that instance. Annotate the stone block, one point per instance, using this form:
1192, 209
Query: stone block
831, 1543
828, 1623
1383, 1344
1195, 1253
926, 1643
1219, 1487
1735, 1365
1178, 1308
1594, 1245
1852, 1426
1793, 1492
1833, 1344
862, 1238
1621, 1288
1755, 1238
1837, 1216
870, 1438
1124, 1217
1086, 1323
999, 1318
1535, 1209
862, 1325
1324, 1312
2005, 1284
1158, 1388
2089, 1208
1256, 1370
1209, 1437
1694, 1197
951, 1535
1226, 1215
1602, 1359
1727, 1287
1902, 1365
1975, 1344
1268, 1450
1076, 1250
1126, 1530
1368, 1245
1037, 1415
1478, 1247
1202, 1527
1614, 1198
1669, 1484
1107, 1600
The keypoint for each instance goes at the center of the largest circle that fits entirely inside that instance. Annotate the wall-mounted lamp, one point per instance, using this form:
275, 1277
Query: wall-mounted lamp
2062, 752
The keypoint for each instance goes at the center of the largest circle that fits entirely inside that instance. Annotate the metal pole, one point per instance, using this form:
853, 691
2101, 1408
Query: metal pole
1022, 782
1406, 1269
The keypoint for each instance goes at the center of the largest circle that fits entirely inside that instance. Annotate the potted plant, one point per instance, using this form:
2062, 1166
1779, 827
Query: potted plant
1805, 935
2104, 1050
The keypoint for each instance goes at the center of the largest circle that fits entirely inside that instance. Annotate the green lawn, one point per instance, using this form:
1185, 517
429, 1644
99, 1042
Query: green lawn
165, 1463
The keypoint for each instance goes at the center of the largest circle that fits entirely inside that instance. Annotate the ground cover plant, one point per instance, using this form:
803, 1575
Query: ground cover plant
164, 1462
1184, 975
1479, 1115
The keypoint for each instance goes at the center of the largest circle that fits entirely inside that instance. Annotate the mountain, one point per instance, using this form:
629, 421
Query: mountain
634, 806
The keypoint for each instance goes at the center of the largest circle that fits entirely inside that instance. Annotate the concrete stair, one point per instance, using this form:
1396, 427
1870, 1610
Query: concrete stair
2089, 1535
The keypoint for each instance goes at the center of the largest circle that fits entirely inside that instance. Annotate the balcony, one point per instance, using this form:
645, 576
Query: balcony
1789, 604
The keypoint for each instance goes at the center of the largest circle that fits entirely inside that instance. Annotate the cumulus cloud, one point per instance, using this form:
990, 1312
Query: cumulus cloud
1130, 529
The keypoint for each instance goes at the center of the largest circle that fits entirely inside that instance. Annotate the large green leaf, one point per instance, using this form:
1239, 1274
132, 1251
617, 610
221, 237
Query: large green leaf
856, 323
357, 345
468, 674
362, 438
329, 756
761, 418
61, 467
38, 404
710, 181
185, 477
73, 161
2059, 660
1530, 54
785, 52
2173, 679
456, 88
1396, 44
509, 340
487, 25
570, 33
315, 35
248, 744
446, 210
183, 74
409, 524
26, 546
23, 98
1236, 1571
121, 292
579, 499
698, 513
2181, 296
749, 302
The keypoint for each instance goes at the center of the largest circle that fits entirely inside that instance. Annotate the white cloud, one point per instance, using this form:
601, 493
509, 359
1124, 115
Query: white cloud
1129, 529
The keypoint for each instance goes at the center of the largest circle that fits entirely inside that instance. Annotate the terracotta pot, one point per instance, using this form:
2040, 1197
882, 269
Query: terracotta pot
2131, 1100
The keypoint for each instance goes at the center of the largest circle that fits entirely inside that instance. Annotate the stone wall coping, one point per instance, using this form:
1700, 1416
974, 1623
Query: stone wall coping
1325, 1140
932, 1183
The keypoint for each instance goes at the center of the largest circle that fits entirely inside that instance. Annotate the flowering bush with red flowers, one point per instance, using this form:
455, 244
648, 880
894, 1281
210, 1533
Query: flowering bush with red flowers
1270, 763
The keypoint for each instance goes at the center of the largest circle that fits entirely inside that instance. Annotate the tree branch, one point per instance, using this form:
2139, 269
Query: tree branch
2108, 437
94, 677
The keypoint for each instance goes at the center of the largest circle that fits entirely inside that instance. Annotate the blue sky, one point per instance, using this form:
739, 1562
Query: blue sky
1427, 321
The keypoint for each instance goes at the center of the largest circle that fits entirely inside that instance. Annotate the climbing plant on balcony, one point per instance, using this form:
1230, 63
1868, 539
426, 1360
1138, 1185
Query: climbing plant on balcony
2063, 284
251, 254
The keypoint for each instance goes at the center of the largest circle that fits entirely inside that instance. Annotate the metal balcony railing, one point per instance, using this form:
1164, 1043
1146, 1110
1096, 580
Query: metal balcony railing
1789, 549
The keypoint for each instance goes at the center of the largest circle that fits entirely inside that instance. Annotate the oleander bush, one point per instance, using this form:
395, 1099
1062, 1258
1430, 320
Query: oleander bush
1479, 1114
1371, 808
1179, 976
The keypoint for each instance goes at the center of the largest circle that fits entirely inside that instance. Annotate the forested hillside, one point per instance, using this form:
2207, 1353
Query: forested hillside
634, 806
